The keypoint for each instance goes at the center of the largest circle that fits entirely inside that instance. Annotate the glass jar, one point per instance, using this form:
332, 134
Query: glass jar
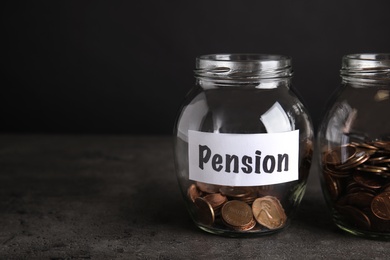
243, 145
354, 147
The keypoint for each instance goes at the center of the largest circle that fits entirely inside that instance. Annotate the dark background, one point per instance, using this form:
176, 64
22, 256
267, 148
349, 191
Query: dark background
123, 67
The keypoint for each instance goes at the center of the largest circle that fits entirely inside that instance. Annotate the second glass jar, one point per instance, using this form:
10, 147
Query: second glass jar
243, 145
354, 147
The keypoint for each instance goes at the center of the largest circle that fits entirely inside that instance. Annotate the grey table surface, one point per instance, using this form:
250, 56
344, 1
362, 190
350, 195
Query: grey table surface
117, 197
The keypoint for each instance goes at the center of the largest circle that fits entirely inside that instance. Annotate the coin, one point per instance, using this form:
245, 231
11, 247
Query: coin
372, 168
364, 145
360, 186
377, 160
333, 185
208, 188
355, 216
193, 192
358, 199
359, 157
368, 180
216, 200
237, 214
340, 154
383, 152
269, 212
204, 211
234, 192
382, 144
250, 226
380, 205
330, 169
384, 161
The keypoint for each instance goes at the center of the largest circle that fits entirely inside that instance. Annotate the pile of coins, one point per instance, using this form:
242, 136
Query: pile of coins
236, 208
357, 180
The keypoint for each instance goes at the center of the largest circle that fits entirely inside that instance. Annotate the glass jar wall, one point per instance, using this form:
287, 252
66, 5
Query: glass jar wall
243, 145
354, 147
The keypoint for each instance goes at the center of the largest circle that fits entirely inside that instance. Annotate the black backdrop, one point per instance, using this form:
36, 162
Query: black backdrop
123, 67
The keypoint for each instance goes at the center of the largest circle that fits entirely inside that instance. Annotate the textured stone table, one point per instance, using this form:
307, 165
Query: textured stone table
116, 197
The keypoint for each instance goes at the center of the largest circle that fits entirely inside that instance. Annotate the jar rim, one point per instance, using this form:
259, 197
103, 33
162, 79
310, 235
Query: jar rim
366, 65
366, 61
235, 66
243, 57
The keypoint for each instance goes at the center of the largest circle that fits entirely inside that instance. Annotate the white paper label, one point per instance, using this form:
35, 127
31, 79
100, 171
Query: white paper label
243, 159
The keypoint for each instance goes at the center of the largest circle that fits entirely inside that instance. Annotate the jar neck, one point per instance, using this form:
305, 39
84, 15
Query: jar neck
207, 83
366, 69
259, 70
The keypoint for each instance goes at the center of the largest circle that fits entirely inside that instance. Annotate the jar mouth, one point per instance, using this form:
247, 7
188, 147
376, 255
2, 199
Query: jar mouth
243, 66
366, 66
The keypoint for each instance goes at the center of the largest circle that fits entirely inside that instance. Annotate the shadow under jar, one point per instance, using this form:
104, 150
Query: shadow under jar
243, 145
354, 147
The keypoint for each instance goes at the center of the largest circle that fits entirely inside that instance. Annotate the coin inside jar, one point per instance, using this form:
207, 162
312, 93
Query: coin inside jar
380, 205
205, 212
359, 199
333, 185
359, 157
364, 145
216, 200
382, 144
360, 186
340, 154
355, 216
237, 215
368, 180
269, 212
234, 192
193, 192
207, 188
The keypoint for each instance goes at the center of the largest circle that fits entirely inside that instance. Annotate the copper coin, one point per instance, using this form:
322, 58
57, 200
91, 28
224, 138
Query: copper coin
360, 200
236, 214
376, 160
359, 188
216, 200
384, 161
269, 212
353, 187
251, 196
382, 152
336, 172
368, 180
248, 199
372, 168
193, 192
355, 216
364, 145
382, 144
340, 154
234, 192
208, 188
359, 158
205, 213
333, 186
250, 226
380, 205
